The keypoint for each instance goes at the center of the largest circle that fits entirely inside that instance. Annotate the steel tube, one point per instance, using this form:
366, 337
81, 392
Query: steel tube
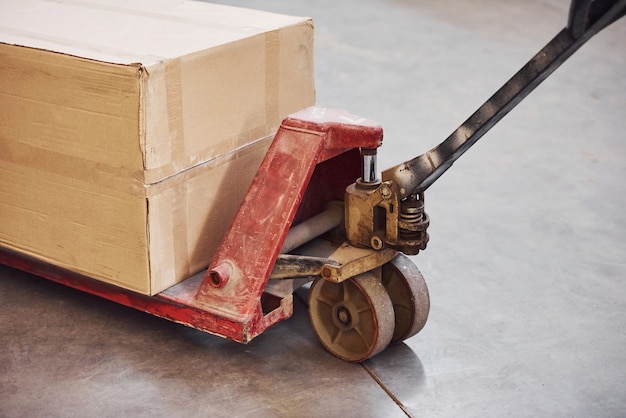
370, 169
313, 227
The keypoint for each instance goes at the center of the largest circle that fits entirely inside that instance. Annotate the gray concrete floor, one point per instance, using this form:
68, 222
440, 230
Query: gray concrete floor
526, 265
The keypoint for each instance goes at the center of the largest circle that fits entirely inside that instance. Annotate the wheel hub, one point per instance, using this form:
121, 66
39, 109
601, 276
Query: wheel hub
343, 317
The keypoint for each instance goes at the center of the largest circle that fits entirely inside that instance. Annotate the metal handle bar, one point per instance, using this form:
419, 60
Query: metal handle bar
586, 18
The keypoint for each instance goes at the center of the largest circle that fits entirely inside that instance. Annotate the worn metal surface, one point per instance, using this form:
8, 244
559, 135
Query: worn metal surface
525, 265
377, 217
352, 261
242, 265
290, 266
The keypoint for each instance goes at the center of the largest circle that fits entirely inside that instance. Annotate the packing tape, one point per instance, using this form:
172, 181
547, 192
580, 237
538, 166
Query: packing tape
176, 138
272, 78
175, 116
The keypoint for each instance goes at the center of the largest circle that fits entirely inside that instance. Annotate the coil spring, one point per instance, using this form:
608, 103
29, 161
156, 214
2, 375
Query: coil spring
413, 219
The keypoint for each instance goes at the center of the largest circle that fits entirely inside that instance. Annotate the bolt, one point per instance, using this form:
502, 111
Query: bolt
326, 272
343, 315
376, 243
220, 275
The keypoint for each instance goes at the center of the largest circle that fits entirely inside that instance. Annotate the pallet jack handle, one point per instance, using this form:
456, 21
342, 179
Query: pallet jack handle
586, 18
390, 213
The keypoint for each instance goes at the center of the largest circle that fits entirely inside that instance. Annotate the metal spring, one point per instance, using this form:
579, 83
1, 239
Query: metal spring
413, 218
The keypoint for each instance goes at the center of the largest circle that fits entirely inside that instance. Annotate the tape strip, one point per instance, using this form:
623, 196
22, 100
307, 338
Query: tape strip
272, 78
182, 258
175, 117
176, 138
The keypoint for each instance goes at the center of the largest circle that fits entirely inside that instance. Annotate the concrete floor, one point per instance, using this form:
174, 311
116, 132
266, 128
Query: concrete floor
526, 265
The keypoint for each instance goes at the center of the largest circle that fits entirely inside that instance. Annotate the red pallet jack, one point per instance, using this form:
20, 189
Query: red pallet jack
306, 220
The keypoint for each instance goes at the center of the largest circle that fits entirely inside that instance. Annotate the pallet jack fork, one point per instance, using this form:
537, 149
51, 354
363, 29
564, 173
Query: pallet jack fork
305, 219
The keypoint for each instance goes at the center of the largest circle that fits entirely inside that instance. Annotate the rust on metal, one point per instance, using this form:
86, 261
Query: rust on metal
352, 261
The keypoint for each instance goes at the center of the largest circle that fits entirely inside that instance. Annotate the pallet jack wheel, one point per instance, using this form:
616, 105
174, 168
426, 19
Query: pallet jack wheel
409, 295
354, 319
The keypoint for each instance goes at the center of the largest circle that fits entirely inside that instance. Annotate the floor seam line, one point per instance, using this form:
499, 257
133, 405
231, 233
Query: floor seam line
386, 389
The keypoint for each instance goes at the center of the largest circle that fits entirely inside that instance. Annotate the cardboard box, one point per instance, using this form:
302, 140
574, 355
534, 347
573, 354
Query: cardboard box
130, 131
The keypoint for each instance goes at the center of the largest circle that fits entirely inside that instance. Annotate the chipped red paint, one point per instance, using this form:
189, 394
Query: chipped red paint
242, 265
312, 159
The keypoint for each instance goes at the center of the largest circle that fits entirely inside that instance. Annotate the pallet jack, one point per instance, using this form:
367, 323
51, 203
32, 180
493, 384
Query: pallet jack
317, 212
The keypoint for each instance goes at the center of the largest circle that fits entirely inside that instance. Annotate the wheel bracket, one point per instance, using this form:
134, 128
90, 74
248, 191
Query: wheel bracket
352, 261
